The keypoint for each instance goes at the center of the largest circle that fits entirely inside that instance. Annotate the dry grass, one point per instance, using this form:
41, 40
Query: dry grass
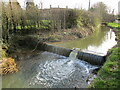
7, 65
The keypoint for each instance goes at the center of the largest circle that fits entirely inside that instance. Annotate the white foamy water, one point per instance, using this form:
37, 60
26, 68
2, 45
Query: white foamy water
62, 73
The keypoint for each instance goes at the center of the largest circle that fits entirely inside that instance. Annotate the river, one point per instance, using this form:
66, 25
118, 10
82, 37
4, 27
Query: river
98, 43
49, 70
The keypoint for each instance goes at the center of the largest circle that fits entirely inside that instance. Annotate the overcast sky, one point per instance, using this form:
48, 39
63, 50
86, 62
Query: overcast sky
112, 4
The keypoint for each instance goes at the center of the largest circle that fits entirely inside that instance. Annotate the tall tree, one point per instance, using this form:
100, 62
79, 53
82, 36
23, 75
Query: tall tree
5, 29
89, 5
100, 10
31, 12
14, 13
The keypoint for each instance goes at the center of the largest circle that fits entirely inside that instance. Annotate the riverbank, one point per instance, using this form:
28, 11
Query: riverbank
65, 35
7, 64
20, 43
109, 75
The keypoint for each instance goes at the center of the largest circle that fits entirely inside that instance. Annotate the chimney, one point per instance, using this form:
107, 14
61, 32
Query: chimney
50, 6
66, 7
89, 5
119, 7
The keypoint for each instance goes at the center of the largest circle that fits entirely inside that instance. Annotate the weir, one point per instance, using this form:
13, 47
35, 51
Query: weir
73, 54
91, 58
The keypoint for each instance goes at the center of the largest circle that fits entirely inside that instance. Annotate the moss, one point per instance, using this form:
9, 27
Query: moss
3, 53
109, 75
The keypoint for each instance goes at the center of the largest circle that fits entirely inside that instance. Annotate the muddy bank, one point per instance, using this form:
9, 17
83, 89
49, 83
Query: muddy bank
67, 34
18, 43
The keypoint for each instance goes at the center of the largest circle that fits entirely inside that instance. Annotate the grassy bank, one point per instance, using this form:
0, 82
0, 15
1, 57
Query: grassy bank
109, 74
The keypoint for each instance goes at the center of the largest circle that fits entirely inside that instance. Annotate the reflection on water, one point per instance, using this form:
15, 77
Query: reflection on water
99, 42
108, 43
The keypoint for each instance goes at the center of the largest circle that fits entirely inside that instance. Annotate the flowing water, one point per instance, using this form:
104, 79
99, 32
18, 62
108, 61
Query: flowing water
73, 54
49, 70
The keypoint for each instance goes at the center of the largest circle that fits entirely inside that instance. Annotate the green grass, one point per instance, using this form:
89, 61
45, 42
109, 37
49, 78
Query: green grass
109, 74
114, 25
44, 24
